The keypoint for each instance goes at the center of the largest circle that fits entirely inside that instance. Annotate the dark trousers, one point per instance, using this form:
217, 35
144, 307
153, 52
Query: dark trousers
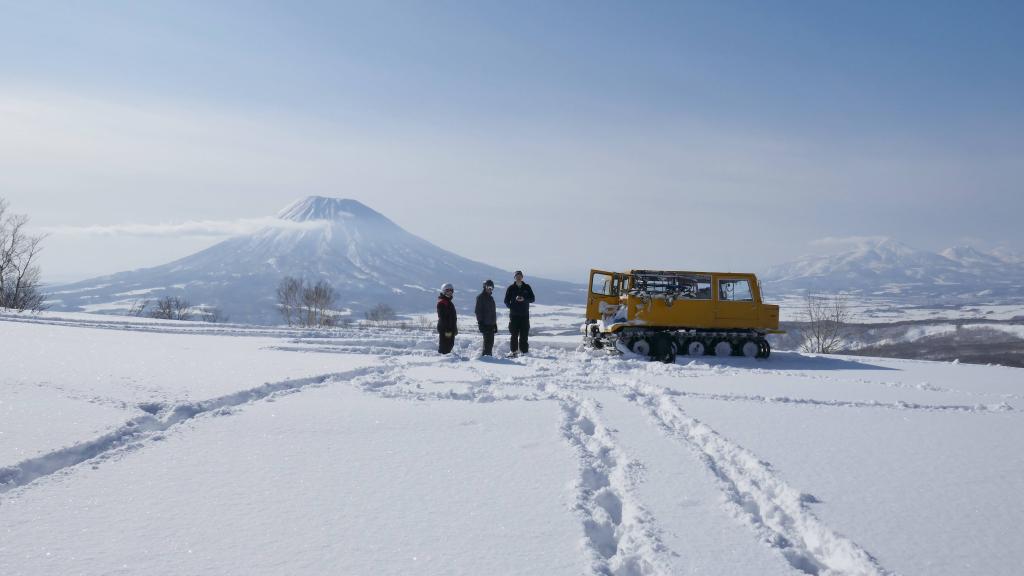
519, 327
445, 345
488, 343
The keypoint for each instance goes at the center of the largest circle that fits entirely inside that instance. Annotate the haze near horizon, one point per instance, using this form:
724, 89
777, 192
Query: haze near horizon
552, 138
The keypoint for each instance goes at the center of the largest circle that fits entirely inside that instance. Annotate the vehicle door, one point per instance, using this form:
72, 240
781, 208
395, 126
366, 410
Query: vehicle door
735, 302
603, 294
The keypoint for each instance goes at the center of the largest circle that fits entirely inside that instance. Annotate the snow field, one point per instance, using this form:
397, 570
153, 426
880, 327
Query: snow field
24, 407
773, 508
369, 453
902, 481
322, 482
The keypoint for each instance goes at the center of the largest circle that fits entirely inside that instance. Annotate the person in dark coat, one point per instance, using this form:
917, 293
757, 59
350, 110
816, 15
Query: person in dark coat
487, 316
518, 297
447, 319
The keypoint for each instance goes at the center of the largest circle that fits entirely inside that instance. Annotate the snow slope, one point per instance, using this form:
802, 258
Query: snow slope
143, 447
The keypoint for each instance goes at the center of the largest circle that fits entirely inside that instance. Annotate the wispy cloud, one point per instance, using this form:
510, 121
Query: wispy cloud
842, 241
205, 228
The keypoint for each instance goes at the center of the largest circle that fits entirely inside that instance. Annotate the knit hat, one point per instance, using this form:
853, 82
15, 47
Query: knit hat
489, 283
518, 273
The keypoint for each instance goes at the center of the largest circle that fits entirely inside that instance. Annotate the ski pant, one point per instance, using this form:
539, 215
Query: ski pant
445, 344
519, 327
488, 343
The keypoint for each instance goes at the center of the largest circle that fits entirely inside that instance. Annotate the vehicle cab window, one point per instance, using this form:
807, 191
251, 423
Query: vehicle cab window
604, 285
735, 291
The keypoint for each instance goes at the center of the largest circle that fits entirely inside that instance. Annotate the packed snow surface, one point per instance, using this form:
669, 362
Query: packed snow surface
132, 446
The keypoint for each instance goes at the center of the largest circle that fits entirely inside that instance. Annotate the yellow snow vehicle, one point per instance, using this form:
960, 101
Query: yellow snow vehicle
660, 314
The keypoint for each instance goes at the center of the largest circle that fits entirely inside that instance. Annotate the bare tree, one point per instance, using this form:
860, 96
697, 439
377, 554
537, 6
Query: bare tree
138, 308
19, 275
304, 304
172, 308
317, 301
380, 314
825, 323
289, 299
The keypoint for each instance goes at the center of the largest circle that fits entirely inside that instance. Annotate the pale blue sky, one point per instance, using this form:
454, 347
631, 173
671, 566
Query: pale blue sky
548, 136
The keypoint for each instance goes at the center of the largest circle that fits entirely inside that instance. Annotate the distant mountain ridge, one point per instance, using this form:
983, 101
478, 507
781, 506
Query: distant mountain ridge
885, 267
366, 257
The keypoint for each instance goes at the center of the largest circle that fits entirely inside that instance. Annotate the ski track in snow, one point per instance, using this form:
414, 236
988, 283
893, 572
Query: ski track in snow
775, 510
619, 536
899, 405
148, 427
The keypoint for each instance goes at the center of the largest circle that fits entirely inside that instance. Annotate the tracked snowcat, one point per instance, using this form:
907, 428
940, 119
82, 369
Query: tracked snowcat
659, 314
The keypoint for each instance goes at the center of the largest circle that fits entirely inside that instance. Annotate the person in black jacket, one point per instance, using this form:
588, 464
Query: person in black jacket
518, 297
447, 319
487, 316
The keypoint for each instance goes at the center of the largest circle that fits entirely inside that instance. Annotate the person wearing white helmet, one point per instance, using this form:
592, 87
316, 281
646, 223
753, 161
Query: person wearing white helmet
447, 319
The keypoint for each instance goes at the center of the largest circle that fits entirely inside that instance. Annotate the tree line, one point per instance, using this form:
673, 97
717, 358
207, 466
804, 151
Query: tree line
176, 308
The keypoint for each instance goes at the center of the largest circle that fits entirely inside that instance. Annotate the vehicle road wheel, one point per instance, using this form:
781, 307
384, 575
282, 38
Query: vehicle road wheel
751, 349
695, 348
641, 347
723, 348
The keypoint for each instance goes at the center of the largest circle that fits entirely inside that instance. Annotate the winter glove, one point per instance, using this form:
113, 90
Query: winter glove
448, 334
481, 327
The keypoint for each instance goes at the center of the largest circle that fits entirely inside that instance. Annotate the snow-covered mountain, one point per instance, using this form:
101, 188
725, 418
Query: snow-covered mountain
366, 257
887, 267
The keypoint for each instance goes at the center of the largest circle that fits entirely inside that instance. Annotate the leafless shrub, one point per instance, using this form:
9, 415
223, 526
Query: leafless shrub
172, 308
826, 319
214, 315
19, 275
